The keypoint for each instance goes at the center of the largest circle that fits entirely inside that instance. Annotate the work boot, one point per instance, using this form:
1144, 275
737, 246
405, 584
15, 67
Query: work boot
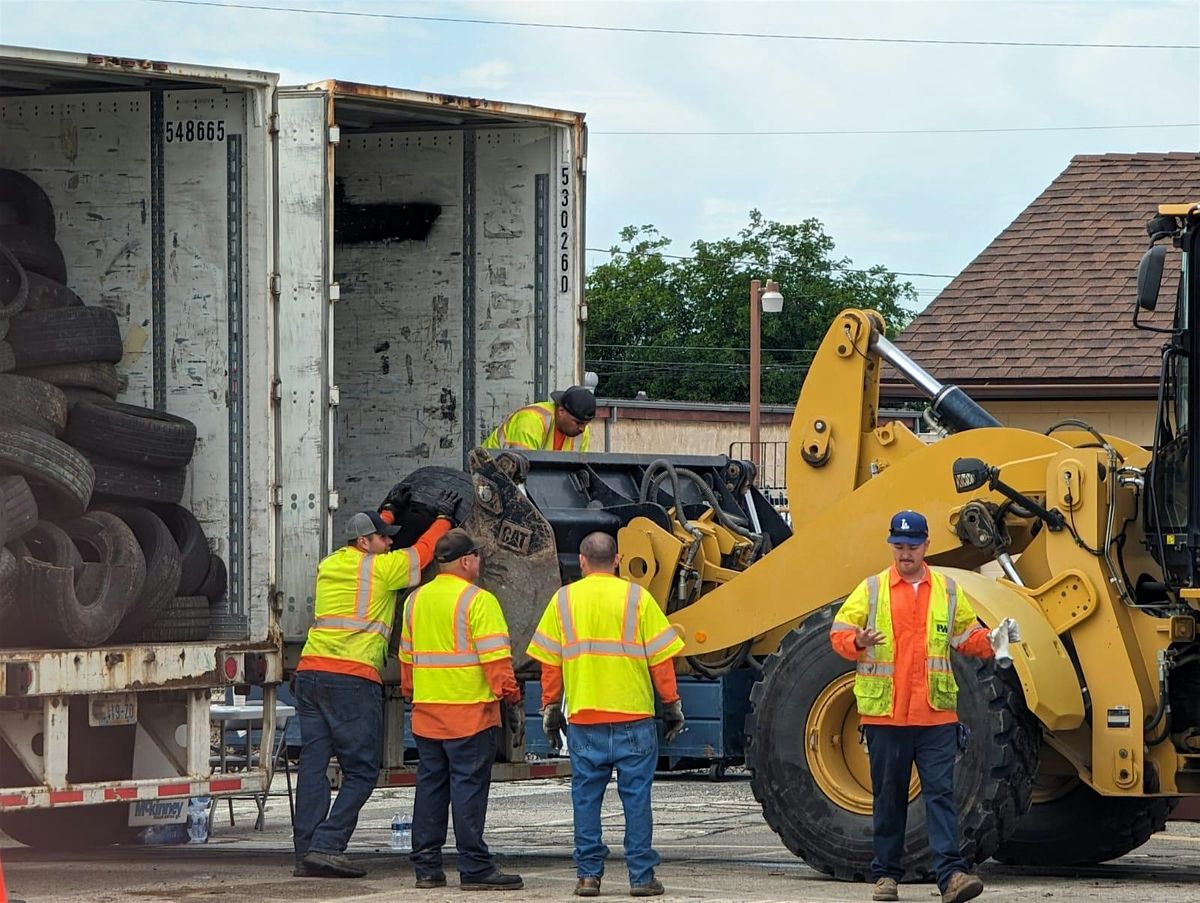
497, 880
428, 881
588, 886
303, 871
885, 889
962, 887
652, 888
331, 865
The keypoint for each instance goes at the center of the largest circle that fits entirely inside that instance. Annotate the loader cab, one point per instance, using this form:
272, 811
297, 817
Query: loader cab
1172, 496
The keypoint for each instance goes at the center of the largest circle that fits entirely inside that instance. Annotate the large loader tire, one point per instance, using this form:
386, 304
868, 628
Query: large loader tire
1081, 827
811, 774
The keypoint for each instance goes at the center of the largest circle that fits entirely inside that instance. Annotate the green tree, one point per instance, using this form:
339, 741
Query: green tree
679, 328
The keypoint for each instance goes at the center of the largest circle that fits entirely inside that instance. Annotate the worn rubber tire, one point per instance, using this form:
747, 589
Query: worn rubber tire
55, 614
34, 403
113, 560
25, 200
183, 620
125, 432
216, 580
52, 463
96, 376
94, 754
423, 486
122, 481
163, 567
65, 335
48, 542
8, 360
18, 510
14, 284
10, 577
993, 778
1083, 828
37, 251
46, 294
193, 546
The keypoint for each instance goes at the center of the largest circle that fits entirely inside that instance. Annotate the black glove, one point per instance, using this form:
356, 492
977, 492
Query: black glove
446, 505
516, 721
396, 503
553, 724
672, 720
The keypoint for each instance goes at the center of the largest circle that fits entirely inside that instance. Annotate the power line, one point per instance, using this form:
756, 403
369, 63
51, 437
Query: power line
613, 252
830, 132
689, 32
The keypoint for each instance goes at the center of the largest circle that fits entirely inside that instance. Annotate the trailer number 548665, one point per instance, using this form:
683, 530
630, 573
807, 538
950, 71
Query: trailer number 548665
183, 130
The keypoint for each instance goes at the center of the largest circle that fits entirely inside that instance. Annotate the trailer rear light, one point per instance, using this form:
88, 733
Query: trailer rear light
234, 667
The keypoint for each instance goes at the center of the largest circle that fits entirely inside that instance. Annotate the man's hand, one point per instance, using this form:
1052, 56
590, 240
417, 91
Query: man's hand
516, 720
553, 724
865, 637
672, 720
393, 507
1000, 636
446, 505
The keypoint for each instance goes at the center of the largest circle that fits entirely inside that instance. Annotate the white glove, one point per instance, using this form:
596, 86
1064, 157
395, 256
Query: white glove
1007, 631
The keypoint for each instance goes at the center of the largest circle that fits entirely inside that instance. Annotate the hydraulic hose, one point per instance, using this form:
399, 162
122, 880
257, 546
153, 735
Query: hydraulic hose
723, 517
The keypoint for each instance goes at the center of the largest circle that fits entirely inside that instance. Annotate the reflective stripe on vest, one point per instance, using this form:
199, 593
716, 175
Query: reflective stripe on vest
462, 654
547, 424
362, 606
627, 646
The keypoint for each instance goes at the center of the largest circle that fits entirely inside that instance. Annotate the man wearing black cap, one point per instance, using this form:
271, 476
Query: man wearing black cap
899, 628
560, 424
338, 682
456, 666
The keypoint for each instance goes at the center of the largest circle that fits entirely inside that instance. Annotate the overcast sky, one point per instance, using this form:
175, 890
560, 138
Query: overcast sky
915, 203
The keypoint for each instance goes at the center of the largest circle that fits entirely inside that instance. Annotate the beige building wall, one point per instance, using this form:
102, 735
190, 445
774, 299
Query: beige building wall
685, 437
1130, 420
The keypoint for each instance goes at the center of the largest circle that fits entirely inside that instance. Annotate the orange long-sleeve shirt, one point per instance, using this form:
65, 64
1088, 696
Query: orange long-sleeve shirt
662, 676
450, 721
910, 618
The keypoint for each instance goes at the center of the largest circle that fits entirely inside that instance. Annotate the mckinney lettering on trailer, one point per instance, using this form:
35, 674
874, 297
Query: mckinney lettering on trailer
149, 812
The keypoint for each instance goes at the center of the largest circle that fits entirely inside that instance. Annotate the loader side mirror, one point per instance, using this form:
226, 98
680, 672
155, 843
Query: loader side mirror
970, 474
1149, 277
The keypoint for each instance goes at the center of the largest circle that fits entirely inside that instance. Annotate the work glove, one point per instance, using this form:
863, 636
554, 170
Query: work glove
396, 504
1007, 631
553, 724
672, 720
515, 712
446, 505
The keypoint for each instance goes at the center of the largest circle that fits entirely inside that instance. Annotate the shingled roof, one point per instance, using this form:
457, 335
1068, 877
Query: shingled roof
1045, 311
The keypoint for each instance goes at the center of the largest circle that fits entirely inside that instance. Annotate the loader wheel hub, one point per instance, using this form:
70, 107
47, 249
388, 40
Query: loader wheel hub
837, 760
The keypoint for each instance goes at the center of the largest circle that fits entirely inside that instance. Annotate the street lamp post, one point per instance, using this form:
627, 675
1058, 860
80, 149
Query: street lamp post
769, 301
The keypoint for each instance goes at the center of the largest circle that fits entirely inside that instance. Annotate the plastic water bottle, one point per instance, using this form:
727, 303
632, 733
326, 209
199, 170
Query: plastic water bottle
401, 833
197, 822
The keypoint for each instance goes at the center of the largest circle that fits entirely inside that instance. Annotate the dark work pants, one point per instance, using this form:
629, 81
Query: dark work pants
342, 716
454, 775
893, 751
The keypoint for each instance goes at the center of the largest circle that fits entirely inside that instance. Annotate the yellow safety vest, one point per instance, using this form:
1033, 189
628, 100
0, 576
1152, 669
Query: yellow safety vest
451, 627
951, 620
605, 633
356, 603
532, 428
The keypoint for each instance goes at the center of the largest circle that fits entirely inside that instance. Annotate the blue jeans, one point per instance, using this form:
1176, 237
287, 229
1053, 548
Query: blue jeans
454, 774
632, 748
340, 716
893, 750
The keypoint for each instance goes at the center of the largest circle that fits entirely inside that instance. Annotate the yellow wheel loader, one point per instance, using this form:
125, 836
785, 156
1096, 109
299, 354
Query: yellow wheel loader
1092, 543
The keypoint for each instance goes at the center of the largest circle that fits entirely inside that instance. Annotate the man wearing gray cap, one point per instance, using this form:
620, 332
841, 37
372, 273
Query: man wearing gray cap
338, 682
560, 424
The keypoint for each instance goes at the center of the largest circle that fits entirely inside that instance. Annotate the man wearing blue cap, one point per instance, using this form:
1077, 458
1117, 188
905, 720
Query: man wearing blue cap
899, 627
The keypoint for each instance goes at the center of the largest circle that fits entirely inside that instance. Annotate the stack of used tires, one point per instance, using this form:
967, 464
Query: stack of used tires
94, 545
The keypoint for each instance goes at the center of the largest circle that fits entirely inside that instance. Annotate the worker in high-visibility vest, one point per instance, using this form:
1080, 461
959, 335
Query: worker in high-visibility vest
606, 642
560, 424
900, 628
455, 666
338, 685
